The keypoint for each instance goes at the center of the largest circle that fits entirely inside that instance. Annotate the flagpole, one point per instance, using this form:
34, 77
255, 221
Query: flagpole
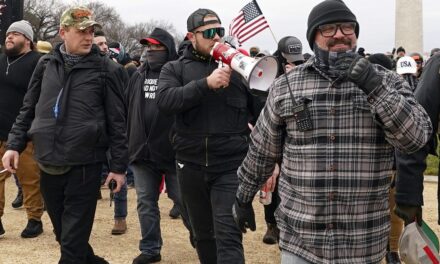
273, 35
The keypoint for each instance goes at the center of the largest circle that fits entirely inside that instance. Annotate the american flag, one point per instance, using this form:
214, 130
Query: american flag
249, 22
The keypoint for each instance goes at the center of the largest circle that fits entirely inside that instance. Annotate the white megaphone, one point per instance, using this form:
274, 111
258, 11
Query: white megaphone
258, 72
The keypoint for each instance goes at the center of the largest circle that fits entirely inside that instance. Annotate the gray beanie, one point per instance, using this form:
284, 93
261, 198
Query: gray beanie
23, 27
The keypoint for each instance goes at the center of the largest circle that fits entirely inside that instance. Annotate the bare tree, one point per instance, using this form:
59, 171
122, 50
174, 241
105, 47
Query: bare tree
44, 17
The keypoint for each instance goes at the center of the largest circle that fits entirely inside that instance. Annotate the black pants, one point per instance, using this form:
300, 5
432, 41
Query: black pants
70, 200
208, 197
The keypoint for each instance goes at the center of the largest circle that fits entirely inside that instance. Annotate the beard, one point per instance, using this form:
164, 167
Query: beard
16, 50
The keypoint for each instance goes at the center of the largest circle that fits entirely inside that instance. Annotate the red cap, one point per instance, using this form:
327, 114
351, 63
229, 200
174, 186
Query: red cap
145, 41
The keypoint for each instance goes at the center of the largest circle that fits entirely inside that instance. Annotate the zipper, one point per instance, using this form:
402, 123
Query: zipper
56, 108
206, 151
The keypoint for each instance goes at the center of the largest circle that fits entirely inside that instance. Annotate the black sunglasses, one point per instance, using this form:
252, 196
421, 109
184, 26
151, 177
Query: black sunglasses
210, 32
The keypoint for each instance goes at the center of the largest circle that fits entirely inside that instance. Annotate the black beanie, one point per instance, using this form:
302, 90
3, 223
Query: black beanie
328, 11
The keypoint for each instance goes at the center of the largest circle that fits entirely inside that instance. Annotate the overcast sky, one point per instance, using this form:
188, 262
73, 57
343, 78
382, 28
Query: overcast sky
286, 17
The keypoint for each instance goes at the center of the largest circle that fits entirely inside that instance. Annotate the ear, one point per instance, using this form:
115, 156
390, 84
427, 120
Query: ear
191, 37
62, 32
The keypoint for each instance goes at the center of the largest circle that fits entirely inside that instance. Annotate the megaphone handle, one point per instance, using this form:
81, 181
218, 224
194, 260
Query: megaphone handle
220, 64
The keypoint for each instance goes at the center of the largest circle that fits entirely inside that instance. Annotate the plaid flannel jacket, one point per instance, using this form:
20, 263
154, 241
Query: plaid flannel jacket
334, 179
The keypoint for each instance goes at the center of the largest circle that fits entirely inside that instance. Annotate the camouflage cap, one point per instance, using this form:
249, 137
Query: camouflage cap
79, 17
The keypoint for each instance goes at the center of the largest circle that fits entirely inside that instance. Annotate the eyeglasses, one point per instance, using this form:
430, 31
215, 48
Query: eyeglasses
329, 30
210, 32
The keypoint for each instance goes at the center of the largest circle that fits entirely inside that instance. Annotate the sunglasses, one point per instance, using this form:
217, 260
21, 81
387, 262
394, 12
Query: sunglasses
329, 30
210, 32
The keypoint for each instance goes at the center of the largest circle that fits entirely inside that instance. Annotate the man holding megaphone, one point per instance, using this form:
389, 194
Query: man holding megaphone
212, 107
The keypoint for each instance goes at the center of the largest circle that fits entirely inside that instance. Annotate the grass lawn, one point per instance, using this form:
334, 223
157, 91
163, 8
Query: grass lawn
432, 168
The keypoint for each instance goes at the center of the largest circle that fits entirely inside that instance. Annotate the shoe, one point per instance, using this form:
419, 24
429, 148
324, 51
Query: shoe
272, 234
33, 229
2, 230
120, 227
392, 258
144, 259
96, 260
174, 212
18, 201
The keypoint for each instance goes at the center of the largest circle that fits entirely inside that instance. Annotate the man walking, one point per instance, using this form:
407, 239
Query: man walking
16, 67
334, 124
73, 111
151, 154
212, 107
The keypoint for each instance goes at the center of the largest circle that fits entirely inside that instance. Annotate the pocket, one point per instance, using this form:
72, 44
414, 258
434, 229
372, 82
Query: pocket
296, 136
236, 111
42, 135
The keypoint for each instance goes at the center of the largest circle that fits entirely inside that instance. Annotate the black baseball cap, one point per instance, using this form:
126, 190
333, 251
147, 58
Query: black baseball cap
196, 19
291, 49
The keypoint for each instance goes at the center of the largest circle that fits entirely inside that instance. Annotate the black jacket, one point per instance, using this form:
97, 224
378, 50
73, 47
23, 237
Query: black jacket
211, 126
91, 116
410, 167
150, 144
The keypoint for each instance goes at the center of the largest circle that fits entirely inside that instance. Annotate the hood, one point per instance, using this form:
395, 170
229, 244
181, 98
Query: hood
166, 39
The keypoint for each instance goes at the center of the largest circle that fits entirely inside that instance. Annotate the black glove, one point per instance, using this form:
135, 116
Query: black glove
342, 64
409, 213
362, 73
244, 215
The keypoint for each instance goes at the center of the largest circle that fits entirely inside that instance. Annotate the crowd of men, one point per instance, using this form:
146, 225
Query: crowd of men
340, 139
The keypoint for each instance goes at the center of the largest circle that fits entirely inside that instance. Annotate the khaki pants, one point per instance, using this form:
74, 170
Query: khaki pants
396, 222
28, 175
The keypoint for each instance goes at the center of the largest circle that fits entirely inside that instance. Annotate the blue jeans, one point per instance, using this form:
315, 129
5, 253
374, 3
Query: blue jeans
120, 199
208, 195
290, 258
147, 179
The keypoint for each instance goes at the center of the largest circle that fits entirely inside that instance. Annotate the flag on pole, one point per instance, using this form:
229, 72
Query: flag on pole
249, 22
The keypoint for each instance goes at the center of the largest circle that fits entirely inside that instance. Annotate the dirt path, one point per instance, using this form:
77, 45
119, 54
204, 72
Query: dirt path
122, 249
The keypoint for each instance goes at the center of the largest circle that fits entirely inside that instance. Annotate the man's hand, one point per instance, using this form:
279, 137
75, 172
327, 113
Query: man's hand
271, 183
362, 73
409, 213
219, 78
10, 160
118, 177
244, 215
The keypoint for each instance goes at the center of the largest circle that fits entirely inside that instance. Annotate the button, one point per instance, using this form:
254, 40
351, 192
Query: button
332, 111
331, 196
330, 226
332, 137
332, 167
371, 100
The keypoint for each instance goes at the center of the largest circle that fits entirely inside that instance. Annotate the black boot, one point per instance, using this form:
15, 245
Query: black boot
174, 212
392, 258
2, 230
18, 201
272, 234
33, 229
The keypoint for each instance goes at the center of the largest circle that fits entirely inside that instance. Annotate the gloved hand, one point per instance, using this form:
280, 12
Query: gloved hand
362, 73
409, 213
244, 215
342, 64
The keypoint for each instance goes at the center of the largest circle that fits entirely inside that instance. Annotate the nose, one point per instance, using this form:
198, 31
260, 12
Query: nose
216, 37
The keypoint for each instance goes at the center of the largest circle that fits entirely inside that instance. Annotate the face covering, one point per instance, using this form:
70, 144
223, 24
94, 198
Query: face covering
325, 60
156, 59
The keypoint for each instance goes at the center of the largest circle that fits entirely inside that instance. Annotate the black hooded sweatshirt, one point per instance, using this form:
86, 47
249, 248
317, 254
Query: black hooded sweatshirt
148, 128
